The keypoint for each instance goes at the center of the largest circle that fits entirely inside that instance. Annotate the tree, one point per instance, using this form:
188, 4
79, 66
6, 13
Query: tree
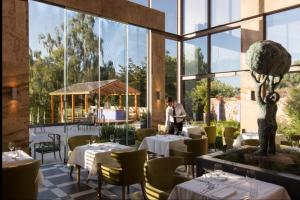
171, 75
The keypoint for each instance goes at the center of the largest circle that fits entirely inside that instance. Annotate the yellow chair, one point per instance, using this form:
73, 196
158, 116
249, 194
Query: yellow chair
20, 182
228, 136
160, 177
251, 142
80, 140
195, 148
197, 136
211, 132
127, 169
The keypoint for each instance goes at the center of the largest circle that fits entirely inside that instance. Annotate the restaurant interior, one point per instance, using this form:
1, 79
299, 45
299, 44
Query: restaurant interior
150, 99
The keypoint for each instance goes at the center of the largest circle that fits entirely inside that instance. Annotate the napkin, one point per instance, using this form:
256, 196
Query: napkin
224, 193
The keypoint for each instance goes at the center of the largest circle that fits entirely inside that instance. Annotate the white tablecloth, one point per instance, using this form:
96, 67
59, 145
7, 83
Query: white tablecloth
19, 157
161, 144
236, 187
87, 156
186, 130
253, 135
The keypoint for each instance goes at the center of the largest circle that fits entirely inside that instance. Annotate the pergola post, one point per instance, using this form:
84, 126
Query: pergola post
73, 107
135, 106
52, 109
61, 108
120, 101
86, 106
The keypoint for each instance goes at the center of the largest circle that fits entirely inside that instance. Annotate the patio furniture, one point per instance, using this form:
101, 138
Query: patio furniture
48, 146
160, 177
211, 132
195, 147
228, 136
127, 170
20, 180
295, 140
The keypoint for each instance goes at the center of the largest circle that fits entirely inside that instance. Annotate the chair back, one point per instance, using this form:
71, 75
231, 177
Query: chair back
198, 147
251, 142
132, 164
159, 172
55, 139
80, 140
194, 130
20, 182
228, 136
211, 132
295, 138
144, 132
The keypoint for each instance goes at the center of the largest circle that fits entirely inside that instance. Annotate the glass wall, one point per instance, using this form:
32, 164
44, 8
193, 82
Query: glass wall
141, 2
194, 15
224, 11
169, 7
225, 51
284, 28
195, 56
171, 68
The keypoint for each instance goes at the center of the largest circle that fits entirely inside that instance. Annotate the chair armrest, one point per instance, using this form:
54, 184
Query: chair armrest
154, 193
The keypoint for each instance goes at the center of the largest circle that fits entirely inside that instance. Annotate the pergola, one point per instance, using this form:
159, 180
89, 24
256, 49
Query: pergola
105, 88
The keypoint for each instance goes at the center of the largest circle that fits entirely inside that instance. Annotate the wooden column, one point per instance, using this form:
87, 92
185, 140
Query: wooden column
52, 109
135, 106
73, 107
86, 103
120, 101
61, 107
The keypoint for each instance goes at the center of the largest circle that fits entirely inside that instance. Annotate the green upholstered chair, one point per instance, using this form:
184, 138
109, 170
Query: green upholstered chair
128, 169
228, 136
251, 142
20, 182
80, 140
161, 178
195, 147
48, 147
211, 132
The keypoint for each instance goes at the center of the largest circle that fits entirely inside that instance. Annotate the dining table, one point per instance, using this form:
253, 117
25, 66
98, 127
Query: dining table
17, 158
227, 186
161, 144
89, 155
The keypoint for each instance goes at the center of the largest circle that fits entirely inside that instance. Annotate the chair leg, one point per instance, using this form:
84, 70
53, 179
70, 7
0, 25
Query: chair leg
42, 158
54, 155
99, 187
59, 155
123, 192
71, 170
128, 189
143, 189
34, 155
193, 171
78, 174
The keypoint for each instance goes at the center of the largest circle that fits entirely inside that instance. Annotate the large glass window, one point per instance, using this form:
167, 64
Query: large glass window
171, 68
284, 28
224, 11
195, 15
225, 51
195, 56
169, 7
141, 2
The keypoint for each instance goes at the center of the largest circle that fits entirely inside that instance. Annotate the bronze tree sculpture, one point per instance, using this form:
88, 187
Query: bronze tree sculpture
268, 62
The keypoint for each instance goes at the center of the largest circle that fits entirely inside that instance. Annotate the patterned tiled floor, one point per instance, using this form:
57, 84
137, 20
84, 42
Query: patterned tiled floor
59, 185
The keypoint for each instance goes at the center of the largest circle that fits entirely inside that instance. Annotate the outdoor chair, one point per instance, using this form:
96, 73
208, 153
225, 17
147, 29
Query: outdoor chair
295, 140
211, 132
228, 136
195, 148
48, 147
161, 178
20, 182
127, 169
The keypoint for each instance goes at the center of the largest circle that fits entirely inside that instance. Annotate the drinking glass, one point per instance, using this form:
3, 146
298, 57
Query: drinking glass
118, 140
111, 138
218, 169
251, 179
11, 146
17, 151
88, 142
250, 175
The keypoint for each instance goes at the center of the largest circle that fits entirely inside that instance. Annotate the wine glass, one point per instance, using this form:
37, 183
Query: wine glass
251, 179
93, 139
11, 146
118, 140
111, 138
88, 142
217, 169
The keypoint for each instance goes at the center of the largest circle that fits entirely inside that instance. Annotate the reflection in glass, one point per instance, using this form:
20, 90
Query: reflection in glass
225, 51
195, 56
171, 69
225, 101
194, 15
284, 28
224, 11
169, 7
